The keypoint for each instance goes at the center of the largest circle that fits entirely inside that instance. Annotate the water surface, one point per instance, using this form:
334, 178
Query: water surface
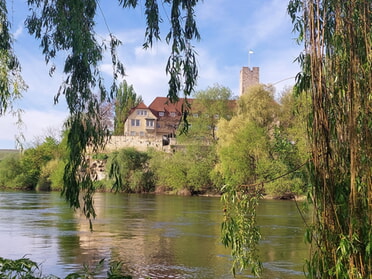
155, 236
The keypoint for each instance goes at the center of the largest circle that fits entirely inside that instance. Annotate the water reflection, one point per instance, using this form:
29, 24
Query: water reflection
156, 236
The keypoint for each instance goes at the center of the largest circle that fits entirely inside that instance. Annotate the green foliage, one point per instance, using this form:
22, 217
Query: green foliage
51, 176
294, 121
24, 172
24, 268
10, 169
258, 105
265, 141
287, 164
11, 82
172, 172
185, 169
337, 74
20, 268
239, 228
208, 107
130, 171
126, 99
242, 146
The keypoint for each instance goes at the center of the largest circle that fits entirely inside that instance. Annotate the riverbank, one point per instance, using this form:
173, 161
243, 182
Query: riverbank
169, 192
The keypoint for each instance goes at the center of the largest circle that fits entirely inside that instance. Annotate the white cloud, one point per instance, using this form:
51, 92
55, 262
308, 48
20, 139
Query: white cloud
35, 124
148, 81
144, 69
18, 32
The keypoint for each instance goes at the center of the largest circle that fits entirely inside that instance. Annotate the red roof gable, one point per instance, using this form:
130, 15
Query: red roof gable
141, 106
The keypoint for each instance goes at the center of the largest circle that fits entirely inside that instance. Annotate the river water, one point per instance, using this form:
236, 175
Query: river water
153, 235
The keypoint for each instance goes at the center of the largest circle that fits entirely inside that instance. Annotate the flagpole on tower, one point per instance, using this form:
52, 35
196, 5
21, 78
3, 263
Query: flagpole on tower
249, 58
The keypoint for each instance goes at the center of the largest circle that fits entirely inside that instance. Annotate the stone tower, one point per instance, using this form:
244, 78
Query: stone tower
248, 78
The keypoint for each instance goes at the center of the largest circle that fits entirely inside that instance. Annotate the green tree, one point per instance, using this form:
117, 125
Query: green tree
289, 147
34, 159
24, 172
10, 169
126, 99
209, 106
130, 170
51, 175
257, 104
294, 118
241, 147
189, 169
337, 73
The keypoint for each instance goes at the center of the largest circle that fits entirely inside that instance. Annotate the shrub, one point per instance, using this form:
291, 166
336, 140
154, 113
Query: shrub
130, 171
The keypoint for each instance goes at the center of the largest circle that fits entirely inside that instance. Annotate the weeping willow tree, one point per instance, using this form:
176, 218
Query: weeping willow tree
337, 72
11, 82
66, 28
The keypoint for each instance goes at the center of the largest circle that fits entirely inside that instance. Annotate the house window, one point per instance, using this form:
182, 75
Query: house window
135, 122
161, 113
141, 112
142, 134
150, 123
133, 133
173, 114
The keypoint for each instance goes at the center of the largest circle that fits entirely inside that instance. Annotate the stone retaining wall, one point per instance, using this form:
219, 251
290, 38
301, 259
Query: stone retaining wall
139, 143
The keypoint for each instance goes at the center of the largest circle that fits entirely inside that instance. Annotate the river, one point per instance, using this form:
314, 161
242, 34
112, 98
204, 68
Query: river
155, 236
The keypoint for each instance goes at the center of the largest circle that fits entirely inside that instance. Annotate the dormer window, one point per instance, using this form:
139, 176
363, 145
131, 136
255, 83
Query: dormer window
161, 113
141, 112
172, 114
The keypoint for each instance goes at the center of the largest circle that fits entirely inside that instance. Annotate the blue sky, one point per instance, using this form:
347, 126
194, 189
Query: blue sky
229, 29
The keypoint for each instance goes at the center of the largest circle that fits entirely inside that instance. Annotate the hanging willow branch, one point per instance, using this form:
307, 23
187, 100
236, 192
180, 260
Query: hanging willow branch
11, 82
239, 228
337, 71
67, 27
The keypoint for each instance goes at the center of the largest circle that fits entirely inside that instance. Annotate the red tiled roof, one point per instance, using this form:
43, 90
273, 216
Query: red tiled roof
163, 104
141, 106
